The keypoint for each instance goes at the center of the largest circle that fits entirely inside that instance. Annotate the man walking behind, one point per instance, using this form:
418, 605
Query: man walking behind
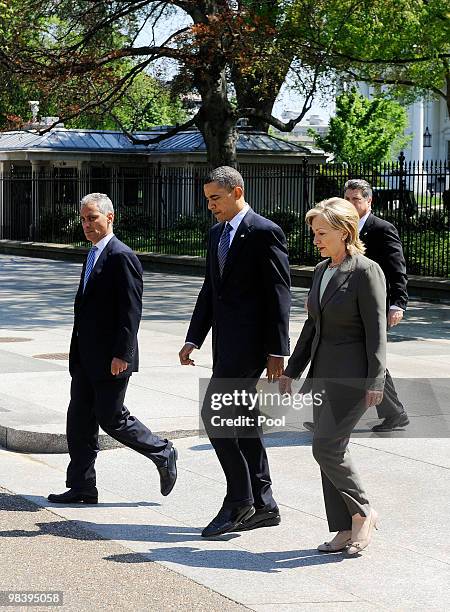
383, 246
103, 356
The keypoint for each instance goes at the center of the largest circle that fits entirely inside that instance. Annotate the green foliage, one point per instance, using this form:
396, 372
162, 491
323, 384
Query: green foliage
364, 130
84, 57
41, 42
288, 220
145, 104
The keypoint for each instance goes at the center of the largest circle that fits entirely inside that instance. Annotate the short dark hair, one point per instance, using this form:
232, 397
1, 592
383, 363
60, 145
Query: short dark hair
360, 184
225, 176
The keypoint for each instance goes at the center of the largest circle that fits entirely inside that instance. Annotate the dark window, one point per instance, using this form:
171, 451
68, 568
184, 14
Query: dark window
101, 180
65, 185
132, 181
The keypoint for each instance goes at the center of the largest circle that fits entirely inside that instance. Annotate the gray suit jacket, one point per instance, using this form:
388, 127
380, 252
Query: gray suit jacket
345, 333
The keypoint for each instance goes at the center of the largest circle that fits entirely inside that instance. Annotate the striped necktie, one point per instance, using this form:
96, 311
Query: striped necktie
224, 247
89, 265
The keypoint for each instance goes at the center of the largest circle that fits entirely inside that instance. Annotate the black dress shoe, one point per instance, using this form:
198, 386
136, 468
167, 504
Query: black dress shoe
75, 496
392, 423
168, 472
263, 517
227, 520
309, 426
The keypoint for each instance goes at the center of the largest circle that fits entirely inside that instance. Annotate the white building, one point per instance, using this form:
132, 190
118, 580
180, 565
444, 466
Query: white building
429, 124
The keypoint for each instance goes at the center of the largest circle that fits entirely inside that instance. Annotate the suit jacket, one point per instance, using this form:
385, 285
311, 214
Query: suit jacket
248, 308
108, 313
383, 246
345, 333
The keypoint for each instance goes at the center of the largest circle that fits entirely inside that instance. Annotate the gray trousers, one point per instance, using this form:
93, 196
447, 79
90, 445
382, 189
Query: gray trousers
335, 416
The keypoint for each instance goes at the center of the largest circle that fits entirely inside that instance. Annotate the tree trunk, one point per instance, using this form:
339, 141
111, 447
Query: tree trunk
258, 90
216, 119
218, 127
265, 105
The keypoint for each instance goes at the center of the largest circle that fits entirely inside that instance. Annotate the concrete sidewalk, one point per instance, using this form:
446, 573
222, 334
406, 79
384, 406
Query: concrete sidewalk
406, 568
407, 476
89, 572
36, 299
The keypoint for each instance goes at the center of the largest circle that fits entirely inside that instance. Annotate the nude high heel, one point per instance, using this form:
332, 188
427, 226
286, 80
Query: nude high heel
340, 542
362, 534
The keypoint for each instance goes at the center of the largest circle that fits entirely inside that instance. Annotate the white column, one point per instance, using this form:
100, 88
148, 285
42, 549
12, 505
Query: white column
417, 130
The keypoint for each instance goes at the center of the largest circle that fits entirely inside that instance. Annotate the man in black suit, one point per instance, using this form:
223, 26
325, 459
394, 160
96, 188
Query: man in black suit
383, 246
245, 298
103, 355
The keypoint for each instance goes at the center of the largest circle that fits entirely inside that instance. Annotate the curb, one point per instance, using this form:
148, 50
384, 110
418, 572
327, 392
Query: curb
23, 441
426, 287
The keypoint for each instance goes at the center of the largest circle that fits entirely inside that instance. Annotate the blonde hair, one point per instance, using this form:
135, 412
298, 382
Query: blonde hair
341, 215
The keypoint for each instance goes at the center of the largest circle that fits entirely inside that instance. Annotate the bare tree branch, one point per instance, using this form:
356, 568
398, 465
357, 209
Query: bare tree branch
154, 140
111, 96
107, 22
388, 81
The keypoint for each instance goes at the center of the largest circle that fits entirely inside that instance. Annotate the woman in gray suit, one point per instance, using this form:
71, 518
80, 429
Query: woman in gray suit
344, 338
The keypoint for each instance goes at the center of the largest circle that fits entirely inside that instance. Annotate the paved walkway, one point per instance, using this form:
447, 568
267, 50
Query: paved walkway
407, 475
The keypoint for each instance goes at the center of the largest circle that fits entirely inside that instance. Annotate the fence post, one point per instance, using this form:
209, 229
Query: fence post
158, 209
305, 182
401, 181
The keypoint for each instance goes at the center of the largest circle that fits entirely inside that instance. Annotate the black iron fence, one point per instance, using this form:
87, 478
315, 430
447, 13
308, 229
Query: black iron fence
162, 209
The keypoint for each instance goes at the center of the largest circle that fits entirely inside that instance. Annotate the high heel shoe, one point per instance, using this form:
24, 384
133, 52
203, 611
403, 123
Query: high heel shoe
337, 543
362, 535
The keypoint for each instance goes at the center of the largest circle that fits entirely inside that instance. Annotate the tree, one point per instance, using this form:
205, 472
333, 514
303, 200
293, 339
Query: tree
364, 130
229, 49
401, 44
240, 50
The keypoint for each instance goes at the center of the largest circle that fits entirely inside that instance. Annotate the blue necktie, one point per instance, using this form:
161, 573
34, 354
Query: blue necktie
224, 247
89, 265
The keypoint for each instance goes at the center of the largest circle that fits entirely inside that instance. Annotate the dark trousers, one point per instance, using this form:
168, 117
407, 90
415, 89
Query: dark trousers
390, 405
240, 450
100, 402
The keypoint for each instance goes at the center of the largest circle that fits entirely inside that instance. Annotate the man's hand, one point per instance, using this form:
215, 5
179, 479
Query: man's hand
275, 368
184, 355
285, 385
373, 398
118, 366
394, 317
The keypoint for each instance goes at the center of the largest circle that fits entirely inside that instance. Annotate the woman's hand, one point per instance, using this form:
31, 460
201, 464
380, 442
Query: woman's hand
373, 398
285, 385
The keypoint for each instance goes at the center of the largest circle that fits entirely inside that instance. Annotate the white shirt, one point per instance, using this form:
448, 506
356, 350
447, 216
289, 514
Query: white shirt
236, 220
363, 220
101, 244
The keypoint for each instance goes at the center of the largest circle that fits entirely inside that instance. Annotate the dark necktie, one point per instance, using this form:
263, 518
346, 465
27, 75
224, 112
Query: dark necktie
224, 247
89, 265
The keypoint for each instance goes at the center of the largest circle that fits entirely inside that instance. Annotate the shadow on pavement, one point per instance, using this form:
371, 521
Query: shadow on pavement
267, 562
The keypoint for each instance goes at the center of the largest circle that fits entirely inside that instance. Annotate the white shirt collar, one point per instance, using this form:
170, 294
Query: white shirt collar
101, 244
363, 220
235, 221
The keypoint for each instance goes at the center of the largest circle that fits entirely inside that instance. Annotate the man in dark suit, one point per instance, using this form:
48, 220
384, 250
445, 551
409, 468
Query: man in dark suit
103, 355
245, 298
383, 246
